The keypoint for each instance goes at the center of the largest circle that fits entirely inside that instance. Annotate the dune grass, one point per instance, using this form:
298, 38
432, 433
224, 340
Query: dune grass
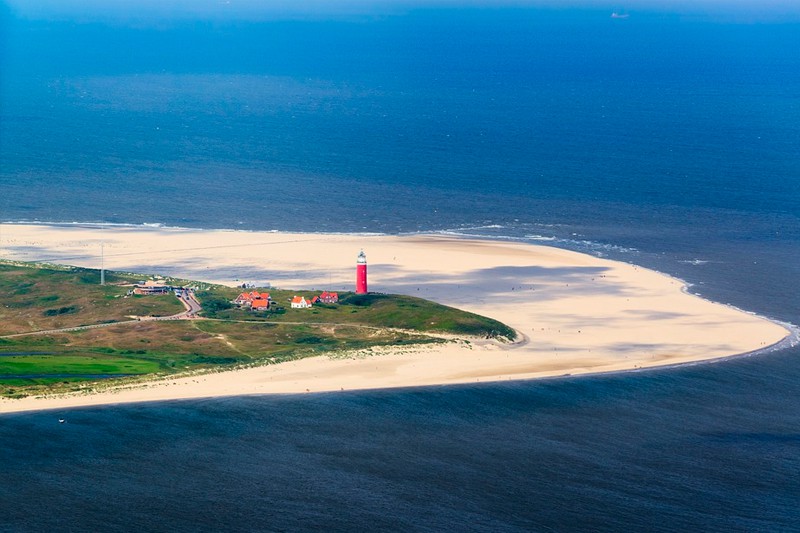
376, 310
49, 297
37, 298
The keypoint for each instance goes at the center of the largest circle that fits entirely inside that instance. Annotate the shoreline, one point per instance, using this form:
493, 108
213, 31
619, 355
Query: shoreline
111, 397
582, 315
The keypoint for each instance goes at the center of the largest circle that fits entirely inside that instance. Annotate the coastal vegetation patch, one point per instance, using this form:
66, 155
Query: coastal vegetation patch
373, 309
28, 291
118, 338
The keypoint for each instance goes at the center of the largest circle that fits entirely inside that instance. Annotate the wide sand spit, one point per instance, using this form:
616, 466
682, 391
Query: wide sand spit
575, 313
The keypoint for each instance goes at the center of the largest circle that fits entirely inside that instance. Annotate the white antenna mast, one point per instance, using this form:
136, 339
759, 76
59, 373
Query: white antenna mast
102, 264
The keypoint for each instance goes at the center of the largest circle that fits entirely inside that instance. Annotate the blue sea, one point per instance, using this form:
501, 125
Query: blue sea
667, 136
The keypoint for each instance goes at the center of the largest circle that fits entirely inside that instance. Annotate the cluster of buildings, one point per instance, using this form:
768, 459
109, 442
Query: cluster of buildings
257, 301
151, 287
261, 301
300, 302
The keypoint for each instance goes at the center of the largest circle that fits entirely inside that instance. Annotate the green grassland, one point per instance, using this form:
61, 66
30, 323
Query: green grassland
378, 310
41, 298
227, 337
43, 369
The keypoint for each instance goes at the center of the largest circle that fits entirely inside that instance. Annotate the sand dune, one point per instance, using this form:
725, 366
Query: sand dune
576, 313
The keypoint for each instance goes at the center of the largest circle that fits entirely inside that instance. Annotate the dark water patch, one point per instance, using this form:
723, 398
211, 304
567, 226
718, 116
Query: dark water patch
711, 447
760, 438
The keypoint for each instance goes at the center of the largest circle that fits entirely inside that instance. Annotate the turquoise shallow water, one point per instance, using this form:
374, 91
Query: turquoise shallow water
666, 141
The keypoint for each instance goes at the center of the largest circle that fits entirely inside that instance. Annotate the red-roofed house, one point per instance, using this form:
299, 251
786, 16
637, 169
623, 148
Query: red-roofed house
329, 297
298, 302
259, 304
246, 299
242, 299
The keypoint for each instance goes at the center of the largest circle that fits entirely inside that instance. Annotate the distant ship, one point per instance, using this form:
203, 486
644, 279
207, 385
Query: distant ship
616, 15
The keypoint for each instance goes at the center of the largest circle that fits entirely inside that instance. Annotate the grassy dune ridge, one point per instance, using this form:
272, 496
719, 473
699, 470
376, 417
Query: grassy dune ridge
378, 310
45, 297
36, 297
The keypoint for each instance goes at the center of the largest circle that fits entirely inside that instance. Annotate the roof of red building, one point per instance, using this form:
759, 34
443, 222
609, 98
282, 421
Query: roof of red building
253, 295
260, 302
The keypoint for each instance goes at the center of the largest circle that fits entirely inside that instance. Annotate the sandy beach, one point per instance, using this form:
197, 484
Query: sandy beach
576, 313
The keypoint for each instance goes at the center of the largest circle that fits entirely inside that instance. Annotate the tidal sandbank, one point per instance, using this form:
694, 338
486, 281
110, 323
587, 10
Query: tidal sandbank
575, 313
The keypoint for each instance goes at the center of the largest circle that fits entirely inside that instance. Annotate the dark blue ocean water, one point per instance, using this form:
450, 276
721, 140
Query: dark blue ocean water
670, 139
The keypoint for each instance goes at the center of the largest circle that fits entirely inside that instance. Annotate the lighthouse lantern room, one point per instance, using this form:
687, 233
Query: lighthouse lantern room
361, 274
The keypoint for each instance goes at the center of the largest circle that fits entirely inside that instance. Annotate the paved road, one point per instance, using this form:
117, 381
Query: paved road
193, 307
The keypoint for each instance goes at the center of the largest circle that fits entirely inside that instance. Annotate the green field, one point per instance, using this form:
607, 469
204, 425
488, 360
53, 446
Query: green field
48, 369
35, 298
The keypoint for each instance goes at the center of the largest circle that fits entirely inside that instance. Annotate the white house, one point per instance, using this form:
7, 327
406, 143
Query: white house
299, 302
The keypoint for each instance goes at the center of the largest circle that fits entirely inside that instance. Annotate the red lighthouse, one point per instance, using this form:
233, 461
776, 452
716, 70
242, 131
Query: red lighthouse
361, 274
